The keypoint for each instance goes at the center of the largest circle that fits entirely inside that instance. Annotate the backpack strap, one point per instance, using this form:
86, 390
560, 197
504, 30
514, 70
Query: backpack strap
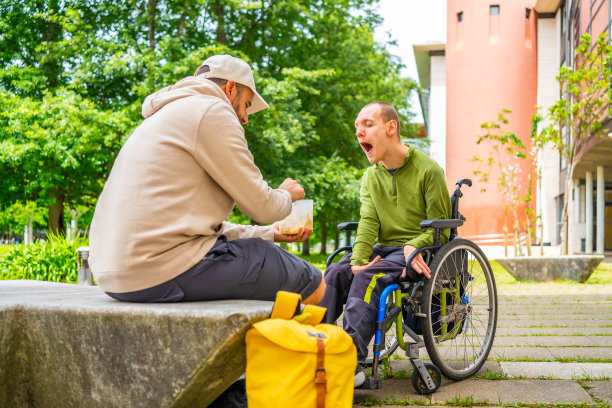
320, 380
286, 306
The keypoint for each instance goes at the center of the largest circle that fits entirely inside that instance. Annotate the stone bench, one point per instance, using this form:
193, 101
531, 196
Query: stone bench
64, 345
550, 268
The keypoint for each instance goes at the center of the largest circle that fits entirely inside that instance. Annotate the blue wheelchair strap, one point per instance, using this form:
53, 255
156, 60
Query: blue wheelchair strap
382, 305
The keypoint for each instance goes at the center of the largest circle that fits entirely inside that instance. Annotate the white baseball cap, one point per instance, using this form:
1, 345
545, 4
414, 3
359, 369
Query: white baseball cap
234, 69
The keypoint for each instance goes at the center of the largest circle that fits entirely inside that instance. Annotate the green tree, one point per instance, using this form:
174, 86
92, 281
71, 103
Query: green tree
56, 150
579, 115
315, 62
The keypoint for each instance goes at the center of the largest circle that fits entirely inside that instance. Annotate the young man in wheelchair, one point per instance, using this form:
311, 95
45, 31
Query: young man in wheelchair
402, 188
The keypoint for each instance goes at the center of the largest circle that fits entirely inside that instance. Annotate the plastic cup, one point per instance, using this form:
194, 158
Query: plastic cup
300, 217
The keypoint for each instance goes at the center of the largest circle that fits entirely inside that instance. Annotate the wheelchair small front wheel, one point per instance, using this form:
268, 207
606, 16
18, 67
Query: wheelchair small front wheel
460, 306
420, 386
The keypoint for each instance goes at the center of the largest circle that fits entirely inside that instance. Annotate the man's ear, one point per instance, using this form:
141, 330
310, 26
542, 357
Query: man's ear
229, 88
391, 127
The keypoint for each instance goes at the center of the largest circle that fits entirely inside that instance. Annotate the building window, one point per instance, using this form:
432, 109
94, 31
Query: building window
527, 13
460, 16
494, 10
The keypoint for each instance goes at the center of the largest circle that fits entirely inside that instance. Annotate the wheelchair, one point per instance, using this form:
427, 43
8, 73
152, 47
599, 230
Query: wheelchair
455, 311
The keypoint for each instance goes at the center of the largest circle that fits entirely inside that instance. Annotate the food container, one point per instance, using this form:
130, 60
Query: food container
300, 217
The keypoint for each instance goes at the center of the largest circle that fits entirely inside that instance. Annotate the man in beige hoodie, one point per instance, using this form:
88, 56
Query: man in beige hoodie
159, 232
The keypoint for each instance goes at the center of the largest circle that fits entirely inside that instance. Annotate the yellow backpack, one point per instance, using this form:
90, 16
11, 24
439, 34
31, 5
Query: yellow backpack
295, 362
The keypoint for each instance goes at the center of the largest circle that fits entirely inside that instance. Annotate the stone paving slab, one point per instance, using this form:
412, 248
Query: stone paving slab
551, 353
601, 340
539, 353
493, 392
602, 390
583, 352
554, 321
544, 307
525, 291
586, 299
556, 370
405, 366
584, 341
560, 331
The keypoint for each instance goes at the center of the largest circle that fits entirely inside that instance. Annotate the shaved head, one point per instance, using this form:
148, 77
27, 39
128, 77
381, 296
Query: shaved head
387, 113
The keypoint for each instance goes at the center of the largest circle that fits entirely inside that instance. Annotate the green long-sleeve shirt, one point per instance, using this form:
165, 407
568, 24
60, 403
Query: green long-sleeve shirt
393, 206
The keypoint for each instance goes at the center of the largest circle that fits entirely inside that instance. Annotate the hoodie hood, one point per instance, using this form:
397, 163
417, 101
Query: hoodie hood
186, 87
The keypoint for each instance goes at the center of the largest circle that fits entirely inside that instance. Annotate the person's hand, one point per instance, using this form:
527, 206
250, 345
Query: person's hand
357, 268
292, 186
300, 236
418, 263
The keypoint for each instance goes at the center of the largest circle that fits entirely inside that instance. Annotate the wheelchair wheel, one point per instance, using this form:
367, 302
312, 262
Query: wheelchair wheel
420, 386
460, 306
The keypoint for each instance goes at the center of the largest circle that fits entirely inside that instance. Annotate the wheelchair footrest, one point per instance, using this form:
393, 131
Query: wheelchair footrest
371, 384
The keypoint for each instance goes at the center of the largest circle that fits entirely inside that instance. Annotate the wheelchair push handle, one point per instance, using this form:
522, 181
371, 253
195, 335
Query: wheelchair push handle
459, 184
462, 182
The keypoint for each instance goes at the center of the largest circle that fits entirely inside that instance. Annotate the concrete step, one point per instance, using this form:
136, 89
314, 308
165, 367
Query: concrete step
480, 392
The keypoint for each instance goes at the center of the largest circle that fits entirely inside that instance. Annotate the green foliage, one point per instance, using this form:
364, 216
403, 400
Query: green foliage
74, 73
582, 110
56, 150
54, 260
14, 217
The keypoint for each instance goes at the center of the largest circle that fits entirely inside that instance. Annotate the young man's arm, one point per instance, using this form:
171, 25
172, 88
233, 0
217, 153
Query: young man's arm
437, 206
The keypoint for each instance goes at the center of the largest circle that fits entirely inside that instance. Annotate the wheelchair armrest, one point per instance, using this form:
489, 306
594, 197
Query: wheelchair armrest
348, 226
452, 223
336, 252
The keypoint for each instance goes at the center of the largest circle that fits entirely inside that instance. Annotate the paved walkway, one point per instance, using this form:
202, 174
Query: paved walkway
553, 348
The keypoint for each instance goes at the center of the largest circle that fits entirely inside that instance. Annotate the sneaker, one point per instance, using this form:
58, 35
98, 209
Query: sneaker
359, 376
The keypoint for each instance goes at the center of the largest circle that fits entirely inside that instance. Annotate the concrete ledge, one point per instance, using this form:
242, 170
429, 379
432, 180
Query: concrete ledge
550, 268
65, 345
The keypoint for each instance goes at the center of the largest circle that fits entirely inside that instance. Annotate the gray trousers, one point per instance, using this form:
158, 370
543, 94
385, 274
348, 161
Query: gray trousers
241, 269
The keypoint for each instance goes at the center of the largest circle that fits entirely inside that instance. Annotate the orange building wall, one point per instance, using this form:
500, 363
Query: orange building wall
491, 63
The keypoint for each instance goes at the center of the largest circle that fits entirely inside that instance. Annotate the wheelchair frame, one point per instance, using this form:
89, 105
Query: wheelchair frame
417, 296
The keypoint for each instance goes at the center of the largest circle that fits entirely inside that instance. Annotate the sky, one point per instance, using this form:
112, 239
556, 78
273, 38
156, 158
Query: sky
412, 22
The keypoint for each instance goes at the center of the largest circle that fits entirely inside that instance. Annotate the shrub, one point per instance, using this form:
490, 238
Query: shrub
54, 260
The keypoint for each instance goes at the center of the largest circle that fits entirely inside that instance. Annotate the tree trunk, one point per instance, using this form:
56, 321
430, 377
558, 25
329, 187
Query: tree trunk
220, 11
541, 229
564, 218
336, 240
306, 248
323, 238
528, 221
183, 19
49, 33
56, 216
152, 9
505, 241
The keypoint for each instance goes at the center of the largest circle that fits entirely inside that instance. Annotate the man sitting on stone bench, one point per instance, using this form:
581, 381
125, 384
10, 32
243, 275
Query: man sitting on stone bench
159, 232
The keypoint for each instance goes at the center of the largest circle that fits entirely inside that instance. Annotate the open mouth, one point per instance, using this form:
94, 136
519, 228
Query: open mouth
366, 147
